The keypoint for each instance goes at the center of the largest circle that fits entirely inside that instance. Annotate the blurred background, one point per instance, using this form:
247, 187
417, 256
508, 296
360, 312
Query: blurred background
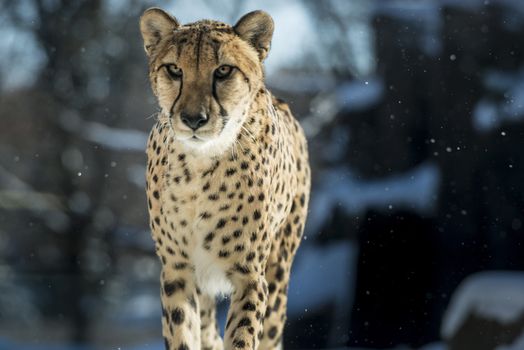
414, 111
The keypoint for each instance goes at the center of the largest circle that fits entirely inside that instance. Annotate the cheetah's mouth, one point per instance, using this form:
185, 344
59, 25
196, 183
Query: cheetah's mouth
192, 137
195, 138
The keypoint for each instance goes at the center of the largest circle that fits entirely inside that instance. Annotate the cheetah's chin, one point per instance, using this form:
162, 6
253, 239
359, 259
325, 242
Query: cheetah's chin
212, 146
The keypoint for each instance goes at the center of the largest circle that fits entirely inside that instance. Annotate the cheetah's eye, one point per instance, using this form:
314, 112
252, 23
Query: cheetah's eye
174, 72
223, 72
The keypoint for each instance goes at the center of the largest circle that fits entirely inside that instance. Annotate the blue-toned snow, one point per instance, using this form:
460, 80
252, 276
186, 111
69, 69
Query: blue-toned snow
416, 190
314, 280
489, 113
349, 96
497, 295
8, 345
116, 139
358, 95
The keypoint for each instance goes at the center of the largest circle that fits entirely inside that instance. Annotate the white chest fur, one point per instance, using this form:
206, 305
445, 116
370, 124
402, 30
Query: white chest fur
209, 275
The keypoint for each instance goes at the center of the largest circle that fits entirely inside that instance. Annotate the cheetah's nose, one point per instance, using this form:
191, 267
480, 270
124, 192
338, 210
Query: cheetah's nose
194, 121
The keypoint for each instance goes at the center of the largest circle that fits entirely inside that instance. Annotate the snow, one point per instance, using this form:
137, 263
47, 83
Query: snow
486, 115
116, 139
13, 182
416, 189
302, 83
18, 194
489, 114
20, 46
350, 96
138, 308
493, 295
359, 95
315, 283
136, 174
5, 344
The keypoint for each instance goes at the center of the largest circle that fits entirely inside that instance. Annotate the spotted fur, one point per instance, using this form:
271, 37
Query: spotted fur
227, 200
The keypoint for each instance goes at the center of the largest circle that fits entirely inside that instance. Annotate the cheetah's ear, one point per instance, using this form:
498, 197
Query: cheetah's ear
257, 29
155, 24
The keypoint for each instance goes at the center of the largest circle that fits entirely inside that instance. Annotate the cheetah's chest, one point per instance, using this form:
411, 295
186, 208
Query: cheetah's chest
191, 207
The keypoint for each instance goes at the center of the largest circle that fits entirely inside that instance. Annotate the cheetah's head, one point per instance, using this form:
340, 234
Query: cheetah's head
205, 74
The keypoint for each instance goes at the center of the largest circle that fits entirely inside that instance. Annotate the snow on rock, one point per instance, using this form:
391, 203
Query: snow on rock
488, 113
494, 295
416, 190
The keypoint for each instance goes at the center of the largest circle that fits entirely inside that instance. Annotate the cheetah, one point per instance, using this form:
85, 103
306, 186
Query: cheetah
228, 182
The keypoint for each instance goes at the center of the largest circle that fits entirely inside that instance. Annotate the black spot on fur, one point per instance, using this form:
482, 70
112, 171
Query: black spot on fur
180, 266
272, 332
287, 230
302, 200
171, 287
231, 171
241, 268
221, 223
272, 287
239, 343
249, 306
209, 237
223, 254
279, 275
177, 316
244, 322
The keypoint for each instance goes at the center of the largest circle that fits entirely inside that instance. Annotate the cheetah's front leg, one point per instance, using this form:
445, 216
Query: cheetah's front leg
210, 336
248, 305
180, 321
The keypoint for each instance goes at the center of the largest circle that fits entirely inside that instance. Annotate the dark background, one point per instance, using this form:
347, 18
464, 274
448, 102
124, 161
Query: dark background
414, 112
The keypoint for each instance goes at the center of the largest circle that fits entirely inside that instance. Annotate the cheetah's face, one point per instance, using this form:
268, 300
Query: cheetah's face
205, 74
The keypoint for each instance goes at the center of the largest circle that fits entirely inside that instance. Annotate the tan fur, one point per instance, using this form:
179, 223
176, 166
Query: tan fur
227, 201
